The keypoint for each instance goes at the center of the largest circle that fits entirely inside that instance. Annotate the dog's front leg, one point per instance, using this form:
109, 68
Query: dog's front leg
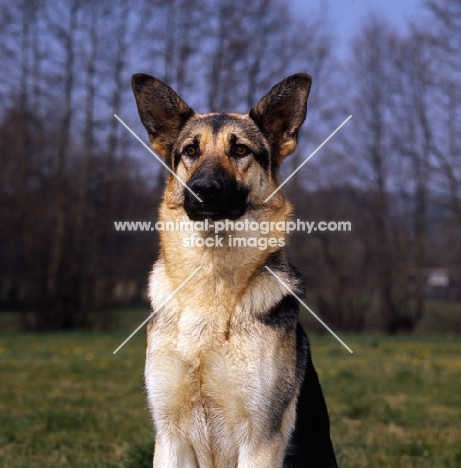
268, 453
173, 454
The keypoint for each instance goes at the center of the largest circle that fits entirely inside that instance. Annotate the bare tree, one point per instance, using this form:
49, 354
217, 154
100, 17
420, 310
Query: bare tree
377, 161
63, 24
444, 33
445, 18
23, 151
414, 91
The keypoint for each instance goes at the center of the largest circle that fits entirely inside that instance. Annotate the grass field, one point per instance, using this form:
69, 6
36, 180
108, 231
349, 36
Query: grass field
67, 401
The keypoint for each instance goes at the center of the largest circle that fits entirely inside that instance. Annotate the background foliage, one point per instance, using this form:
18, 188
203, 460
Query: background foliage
69, 169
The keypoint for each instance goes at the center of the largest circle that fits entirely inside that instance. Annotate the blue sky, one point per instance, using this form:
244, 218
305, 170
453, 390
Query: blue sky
347, 15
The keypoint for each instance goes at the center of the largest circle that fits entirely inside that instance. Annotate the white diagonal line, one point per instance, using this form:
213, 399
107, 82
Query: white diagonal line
158, 158
304, 162
160, 306
316, 316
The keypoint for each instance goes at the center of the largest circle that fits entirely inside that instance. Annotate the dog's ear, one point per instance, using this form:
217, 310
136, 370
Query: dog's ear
281, 112
161, 110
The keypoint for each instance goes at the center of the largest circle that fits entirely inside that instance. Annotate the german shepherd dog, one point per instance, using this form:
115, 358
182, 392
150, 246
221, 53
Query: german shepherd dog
229, 374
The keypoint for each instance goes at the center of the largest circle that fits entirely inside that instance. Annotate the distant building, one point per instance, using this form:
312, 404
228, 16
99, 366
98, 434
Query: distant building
441, 285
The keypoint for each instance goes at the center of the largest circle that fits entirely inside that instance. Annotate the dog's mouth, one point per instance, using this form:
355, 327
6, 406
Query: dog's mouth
220, 209
199, 214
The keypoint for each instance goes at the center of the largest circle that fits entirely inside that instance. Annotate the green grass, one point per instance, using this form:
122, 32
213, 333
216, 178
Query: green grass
66, 400
396, 402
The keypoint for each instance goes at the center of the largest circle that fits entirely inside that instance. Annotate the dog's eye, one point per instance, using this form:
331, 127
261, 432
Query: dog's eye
191, 150
241, 150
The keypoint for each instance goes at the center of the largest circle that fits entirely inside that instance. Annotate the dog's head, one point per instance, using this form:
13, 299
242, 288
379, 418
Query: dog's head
230, 161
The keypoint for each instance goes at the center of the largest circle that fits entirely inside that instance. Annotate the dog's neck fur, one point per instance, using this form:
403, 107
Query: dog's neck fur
218, 284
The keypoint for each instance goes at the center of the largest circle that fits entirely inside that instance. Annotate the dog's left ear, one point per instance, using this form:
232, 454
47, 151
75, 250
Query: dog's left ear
161, 110
281, 112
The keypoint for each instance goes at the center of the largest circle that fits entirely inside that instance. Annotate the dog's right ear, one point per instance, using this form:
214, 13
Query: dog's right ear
161, 110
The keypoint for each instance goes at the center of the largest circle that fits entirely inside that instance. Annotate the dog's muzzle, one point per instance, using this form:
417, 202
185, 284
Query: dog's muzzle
222, 196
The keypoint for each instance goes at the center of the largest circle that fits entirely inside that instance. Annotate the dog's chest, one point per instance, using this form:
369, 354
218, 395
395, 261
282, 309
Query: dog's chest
200, 369
206, 351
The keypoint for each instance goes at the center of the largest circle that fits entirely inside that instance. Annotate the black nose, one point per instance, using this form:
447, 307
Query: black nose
205, 189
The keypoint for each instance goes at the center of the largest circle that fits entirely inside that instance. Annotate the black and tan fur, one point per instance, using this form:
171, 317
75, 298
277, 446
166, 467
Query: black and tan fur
228, 373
